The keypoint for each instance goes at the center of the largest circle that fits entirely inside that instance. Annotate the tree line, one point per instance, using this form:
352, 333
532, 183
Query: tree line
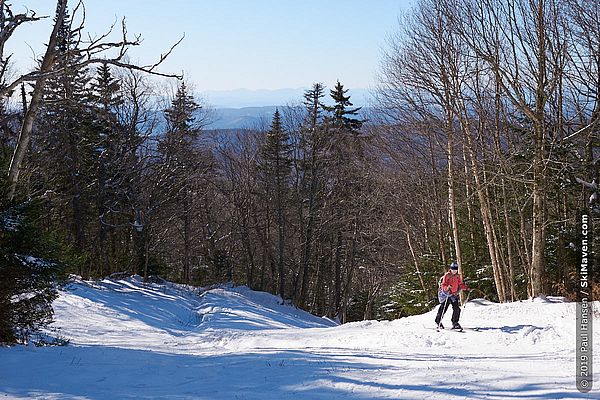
483, 125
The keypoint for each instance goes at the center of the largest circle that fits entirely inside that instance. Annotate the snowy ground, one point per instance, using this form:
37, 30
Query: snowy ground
134, 341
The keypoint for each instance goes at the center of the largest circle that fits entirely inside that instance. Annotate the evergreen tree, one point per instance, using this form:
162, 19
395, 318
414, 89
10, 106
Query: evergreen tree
105, 89
345, 188
68, 141
113, 166
29, 270
276, 153
311, 145
340, 115
182, 114
276, 156
312, 138
313, 103
183, 167
7, 120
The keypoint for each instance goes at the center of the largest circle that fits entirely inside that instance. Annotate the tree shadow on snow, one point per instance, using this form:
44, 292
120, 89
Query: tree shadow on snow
100, 372
163, 309
513, 329
178, 313
238, 312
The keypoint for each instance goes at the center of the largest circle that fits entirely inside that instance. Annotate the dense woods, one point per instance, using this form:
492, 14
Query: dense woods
482, 128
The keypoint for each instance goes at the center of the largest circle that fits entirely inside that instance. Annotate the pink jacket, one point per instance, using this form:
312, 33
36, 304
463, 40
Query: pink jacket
452, 282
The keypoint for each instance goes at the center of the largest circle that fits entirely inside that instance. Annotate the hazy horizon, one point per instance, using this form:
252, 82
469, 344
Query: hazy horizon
242, 98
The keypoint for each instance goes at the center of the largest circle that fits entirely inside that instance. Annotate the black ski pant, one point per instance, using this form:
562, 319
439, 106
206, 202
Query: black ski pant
444, 306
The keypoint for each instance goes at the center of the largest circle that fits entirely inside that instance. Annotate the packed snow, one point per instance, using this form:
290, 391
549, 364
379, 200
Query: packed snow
132, 340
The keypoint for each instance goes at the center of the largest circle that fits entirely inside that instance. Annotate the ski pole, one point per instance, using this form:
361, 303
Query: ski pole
466, 300
465, 304
443, 312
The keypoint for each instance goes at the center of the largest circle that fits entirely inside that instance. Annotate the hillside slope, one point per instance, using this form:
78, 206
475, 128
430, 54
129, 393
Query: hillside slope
133, 340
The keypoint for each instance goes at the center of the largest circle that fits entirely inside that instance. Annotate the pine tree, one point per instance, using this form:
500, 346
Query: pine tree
345, 191
29, 271
312, 138
67, 140
276, 155
113, 165
314, 105
178, 144
106, 89
340, 115
311, 145
184, 166
6, 131
181, 116
277, 152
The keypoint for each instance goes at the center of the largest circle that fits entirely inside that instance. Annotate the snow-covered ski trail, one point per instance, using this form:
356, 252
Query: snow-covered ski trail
130, 340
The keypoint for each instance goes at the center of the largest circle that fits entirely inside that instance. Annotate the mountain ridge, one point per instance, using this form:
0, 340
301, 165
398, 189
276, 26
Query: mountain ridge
240, 98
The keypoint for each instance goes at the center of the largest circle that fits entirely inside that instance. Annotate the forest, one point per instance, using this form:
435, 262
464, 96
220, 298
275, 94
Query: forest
480, 147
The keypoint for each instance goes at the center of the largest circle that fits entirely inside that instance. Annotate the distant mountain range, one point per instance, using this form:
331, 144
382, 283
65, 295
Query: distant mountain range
241, 98
242, 118
253, 109
250, 117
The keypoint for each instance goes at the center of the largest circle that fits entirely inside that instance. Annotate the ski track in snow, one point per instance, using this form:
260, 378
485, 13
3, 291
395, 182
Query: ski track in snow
130, 340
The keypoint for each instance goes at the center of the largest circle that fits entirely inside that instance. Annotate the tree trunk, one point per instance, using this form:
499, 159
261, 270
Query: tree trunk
538, 228
538, 261
102, 229
486, 218
437, 197
245, 239
338, 274
509, 245
306, 254
186, 244
372, 295
415, 260
452, 197
470, 214
280, 242
36, 100
351, 263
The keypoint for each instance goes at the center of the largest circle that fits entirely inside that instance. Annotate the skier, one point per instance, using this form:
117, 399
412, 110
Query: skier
450, 286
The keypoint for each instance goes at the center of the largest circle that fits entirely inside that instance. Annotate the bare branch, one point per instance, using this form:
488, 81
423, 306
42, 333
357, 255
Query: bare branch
125, 65
50, 67
164, 56
10, 22
36, 99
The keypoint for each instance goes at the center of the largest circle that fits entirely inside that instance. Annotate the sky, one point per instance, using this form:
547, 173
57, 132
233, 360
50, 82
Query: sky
235, 44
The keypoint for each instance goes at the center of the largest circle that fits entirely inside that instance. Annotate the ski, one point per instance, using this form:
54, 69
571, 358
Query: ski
458, 330
443, 329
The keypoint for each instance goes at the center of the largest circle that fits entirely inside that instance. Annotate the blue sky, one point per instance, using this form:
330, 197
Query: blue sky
232, 44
